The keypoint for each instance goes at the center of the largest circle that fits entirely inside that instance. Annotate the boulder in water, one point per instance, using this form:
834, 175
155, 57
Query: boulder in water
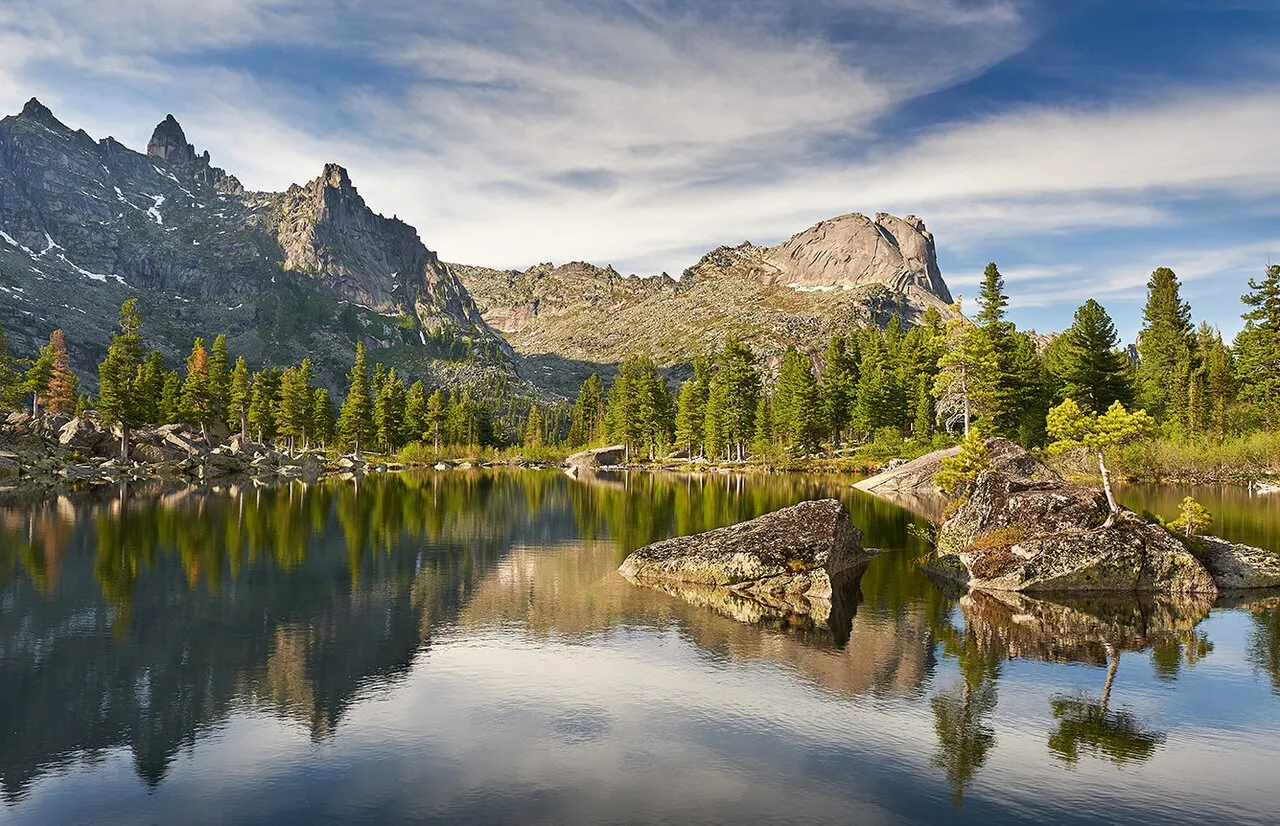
794, 552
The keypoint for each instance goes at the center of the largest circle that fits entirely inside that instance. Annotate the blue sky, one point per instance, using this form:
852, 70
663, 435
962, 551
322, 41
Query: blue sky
1080, 144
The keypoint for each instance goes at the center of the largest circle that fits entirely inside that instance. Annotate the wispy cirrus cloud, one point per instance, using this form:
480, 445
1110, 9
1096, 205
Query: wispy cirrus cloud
643, 133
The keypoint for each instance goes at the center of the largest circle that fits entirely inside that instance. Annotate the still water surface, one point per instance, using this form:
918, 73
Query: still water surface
457, 647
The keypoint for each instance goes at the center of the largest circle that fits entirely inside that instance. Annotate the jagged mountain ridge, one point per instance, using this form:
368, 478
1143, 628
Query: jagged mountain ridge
85, 224
842, 273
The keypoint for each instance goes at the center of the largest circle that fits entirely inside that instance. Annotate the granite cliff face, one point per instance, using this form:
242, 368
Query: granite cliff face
839, 274
854, 250
85, 224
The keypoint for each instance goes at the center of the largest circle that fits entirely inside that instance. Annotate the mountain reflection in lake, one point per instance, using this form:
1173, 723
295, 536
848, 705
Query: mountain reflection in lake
457, 646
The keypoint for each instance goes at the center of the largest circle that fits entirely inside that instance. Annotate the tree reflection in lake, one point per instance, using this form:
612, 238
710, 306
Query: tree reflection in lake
145, 618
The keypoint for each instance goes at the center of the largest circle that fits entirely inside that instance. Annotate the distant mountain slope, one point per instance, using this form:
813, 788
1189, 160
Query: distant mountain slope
843, 273
85, 224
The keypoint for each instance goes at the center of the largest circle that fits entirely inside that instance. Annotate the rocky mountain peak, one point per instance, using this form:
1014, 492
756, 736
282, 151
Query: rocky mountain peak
335, 177
36, 111
854, 250
169, 143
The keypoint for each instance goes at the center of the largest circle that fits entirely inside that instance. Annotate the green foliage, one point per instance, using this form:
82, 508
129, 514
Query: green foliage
1257, 348
1165, 349
1072, 428
1201, 459
586, 424
38, 376
965, 387
639, 411
1192, 519
533, 429
170, 406
415, 411
117, 401
323, 424
262, 405
355, 421
839, 385
239, 394
197, 397
960, 471
10, 380
1087, 363
732, 399
150, 384
798, 416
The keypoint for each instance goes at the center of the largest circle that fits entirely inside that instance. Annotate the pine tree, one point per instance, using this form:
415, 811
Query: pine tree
732, 400
322, 420
63, 389
239, 394
1165, 349
639, 413
219, 378
10, 381
116, 374
691, 410
839, 385
880, 400
533, 429
197, 403
964, 387
296, 405
169, 409
586, 423
1257, 348
1003, 413
415, 412
765, 436
388, 412
38, 376
262, 405
436, 421
1087, 365
355, 421
149, 382
1216, 377
797, 406
922, 405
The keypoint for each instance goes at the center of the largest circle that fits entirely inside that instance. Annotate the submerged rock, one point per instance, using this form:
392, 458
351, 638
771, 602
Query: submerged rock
789, 553
1239, 567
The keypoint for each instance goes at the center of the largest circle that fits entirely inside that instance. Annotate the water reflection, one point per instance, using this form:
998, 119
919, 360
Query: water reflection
148, 618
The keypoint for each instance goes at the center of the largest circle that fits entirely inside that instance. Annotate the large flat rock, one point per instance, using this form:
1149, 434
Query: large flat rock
794, 551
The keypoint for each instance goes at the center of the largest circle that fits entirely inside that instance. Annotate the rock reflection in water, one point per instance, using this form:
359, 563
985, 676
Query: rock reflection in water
1093, 630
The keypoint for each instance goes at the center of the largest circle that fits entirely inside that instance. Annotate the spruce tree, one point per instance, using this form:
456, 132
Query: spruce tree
436, 421
169, 408
197, 403
1088, 366
117, 400
294, 408
10, 380
239, 394
322, 420
923, 413
415, 412
219, 378
839, 386
1257, 348
150, 387
1006, 393
586, 423
388, 412
63, 390
1216, 377
38, 376
1165, 349
690, 418
355, 421
533, 429
732, 400
262, 405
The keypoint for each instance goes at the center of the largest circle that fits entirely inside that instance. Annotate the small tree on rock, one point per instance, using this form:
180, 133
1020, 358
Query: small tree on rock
1192, 518
1072, 428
